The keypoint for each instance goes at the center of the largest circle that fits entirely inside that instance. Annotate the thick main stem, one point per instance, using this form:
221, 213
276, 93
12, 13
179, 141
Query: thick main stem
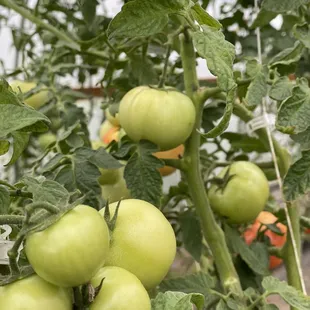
211, 230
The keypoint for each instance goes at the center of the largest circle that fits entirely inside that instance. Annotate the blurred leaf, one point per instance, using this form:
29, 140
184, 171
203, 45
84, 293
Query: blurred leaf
281, 89
263, 18
218, 52
88, 8
211, 113
302, 33
4, 200
203, 17
282, 6
20, 142
4, 146
303, 138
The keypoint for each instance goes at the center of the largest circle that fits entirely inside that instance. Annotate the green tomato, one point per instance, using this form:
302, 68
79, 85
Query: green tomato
143, 241
34, 293
37, 100
116, 191
120, 290
46, 139
164, 117
245, 195
70, 252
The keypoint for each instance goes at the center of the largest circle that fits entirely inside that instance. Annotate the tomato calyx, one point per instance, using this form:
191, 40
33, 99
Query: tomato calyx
221, 183
111, 222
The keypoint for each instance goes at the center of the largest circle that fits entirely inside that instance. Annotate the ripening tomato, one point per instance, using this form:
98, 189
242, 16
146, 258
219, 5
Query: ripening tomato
275, 240
104, 128
69, 252
114, 134
114, 120
143, 241
163, 116
34, 293
244, 196
37, 100
170, 154
120, 290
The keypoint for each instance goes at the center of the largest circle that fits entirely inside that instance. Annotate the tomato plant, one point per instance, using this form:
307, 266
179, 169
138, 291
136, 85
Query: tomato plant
33, 293
109, 97
134, 245
120, 290
245, 194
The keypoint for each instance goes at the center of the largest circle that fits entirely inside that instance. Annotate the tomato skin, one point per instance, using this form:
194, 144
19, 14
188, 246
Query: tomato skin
170, 154
46, 139
275, 240
245, 195
37, 100
34, 293
164, 117
69, 252
143, 241
120, 290
114, 120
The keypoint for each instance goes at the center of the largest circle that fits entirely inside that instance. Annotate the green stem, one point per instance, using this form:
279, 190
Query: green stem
6, 184
40, 205
11, 219
208, 92
176, 163
13, 254
211, 230
164, 74
20, 193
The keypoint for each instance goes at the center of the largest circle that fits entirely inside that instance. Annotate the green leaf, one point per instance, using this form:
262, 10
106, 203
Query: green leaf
282, 6
242, 142
203, 17
257, 89
102, 159
191, 233
224, 123
4, 146
263, 18
211, 113
88, 8
302, 33
294, 112
20, 142
256, 257
177, 301
143, 70
219, 53
144, 17
222, 305
303, 138
297, 179
292, 296
288, 56
141, 173
281, 88
4, 200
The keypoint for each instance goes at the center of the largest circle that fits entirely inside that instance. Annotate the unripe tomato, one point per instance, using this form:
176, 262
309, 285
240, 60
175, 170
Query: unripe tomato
244, 196
114, 120
37, 100
70, 252
170, 154
120, 290
108, 176
116, 191
164, 117
104, 128
34, 293
143, 241
276, 240
46, 139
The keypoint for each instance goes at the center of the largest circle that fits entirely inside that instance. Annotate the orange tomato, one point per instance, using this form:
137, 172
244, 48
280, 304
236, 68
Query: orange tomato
170, 154
111, 135
276, 240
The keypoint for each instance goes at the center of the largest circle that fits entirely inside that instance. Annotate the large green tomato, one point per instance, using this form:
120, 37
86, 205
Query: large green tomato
33, 293
71, 251
37, 100
164, 117
244, 196
143, 241
120, 290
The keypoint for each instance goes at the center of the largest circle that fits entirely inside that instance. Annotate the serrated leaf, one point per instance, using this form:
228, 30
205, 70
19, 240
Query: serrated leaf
224, 122
191, 233
177, 301
297, 180
288, 56
302, 33
292, 296
294, 112
281, 89
141, 173
219, 53
257, 90
144, 17
245, 143
4, 200
303, 138
282, 6
20, 142
102, 159
263, 18
4, 146
250, 255
203, 17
